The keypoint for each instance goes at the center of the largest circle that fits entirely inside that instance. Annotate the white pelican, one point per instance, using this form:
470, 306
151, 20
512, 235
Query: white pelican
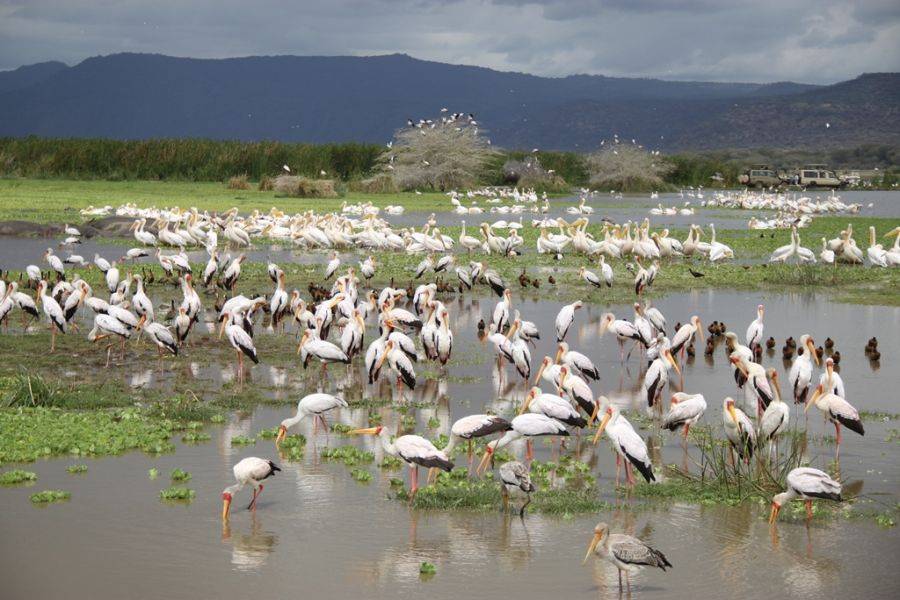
838, 411
313, 404
684, 410
808, 484
576, 361
801, 370
527, 425
250, 470
515, 480
875, 252
754, 335
739, 430
827, 254
414, 450
628, 554
53, 311
565, 318
367, 267
628, 445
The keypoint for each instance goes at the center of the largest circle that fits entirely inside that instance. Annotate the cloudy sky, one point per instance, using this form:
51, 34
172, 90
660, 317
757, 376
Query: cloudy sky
815, 41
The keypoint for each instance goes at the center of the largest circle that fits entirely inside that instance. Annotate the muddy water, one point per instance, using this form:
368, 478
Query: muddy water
318, 533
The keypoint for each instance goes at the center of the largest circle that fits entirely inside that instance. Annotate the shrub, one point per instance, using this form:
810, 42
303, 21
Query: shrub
302, 187
238, 182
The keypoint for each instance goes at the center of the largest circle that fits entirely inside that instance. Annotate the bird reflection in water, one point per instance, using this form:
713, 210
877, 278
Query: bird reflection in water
251, 550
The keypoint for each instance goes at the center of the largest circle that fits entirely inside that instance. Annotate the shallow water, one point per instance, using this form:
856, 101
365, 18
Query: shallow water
319, 533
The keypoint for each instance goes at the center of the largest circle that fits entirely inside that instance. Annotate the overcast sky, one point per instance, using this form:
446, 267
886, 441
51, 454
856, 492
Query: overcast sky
815, 41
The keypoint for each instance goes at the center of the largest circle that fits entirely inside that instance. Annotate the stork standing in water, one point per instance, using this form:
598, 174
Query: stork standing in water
53, 312
515, 480
239, 338
106, 326
469, 428
755, 330
565, 318
836, 410
315, 405
808, 484
528, 426
252, 471
801, 370
628, 445
624, 330
628, 554
775, 419
739, 431
576, 361
414, 450
684, 410
657, 377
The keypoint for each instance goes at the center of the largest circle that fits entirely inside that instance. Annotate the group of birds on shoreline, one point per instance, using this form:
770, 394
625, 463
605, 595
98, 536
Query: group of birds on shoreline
843, 249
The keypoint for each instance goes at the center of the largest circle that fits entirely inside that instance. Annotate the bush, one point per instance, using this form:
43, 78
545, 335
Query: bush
627, 168
265, 184
379, 184
303, 187
239, 182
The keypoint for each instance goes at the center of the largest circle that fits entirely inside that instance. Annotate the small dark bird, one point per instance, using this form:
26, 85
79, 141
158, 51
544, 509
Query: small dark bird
551, 280
696, 273
690, 349
713, 328
875, 355
710, 347
787, 353
677, 325
481, 325
836, 357
770, 343
790, 342
829, 343
820, 352
524, 279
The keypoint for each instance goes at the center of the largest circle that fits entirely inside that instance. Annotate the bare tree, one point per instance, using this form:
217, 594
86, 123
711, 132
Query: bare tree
627, 167
444, 154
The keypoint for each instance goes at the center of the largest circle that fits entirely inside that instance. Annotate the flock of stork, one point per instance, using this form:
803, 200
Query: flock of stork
416, 327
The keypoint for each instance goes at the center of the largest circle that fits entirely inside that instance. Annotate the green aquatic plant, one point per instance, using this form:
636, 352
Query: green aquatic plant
152, 473
349, 455
341, 428
48, 496
75, 469
195, 437
17, 476
390, 463
242, 440
427, 568
177, 493
179, 475
361, 475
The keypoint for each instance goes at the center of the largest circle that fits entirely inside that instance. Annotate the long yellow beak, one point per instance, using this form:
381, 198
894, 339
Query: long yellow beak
604, 325
525, 404
700, 330
540, 372
600, 429
365, 431
559, 354
812, 399
222, 327
732, 413
773, 515
282, 433
673, 362
302, 341
226, 507
812, 349
595, 411
594, 541
484, 462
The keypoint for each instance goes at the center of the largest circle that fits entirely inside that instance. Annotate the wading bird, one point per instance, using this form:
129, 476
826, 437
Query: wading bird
313, 404
801, 370
739, 431
684, 410
253, 471
837, 411
515, 481
414, 450
628, 445
808, 484
628, 554
528, 426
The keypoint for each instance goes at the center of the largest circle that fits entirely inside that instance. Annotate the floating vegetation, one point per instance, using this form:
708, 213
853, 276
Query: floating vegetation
76, 469
195, 437
391, 463
179, 475
885, 520
433, 423
48, 496
17, 476
27, 434
242, 440
349, 455
341, 428
427, 568
877, 415
361, 475
153, 473
177, 493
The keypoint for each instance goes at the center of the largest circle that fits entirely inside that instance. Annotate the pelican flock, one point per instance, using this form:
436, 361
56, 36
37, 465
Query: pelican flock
408, 334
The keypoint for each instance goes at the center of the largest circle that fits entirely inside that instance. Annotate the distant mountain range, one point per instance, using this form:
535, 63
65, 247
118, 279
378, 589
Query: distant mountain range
364, 99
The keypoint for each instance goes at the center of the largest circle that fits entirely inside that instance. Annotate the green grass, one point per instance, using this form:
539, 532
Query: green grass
77, 469
59, 200
177, 493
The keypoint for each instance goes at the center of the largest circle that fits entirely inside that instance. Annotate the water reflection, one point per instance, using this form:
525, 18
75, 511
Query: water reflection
251, 549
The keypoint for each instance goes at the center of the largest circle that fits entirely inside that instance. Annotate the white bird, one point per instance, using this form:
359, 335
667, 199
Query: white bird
808, 484
528, 425
838, 411
831, 381
565, 318
162, 337
333, 266
239, 339
106, 326
826, 255
801, 370
399, 363
628, 554
624, 330
684, 336
776, 418
515, 481
414, 450
53, 311
754, 337
576, 361
315, 405
253, 471
739, 430
472, 427
552, 406
626, 442
657, 376
312, 346
684, 410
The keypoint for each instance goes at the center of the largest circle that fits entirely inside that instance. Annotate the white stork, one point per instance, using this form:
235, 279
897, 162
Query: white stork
754, 335
578, 390
552, 406
312, 346
808, 484
776, 418
684, 336
657, 376
253, 471
239, 338
162, 337
106, 326
624, 330
628, 445
399, 363
414, 450
315, 405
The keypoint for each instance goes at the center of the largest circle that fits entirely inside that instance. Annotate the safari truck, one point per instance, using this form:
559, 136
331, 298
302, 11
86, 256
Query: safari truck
818, 176
760, 176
